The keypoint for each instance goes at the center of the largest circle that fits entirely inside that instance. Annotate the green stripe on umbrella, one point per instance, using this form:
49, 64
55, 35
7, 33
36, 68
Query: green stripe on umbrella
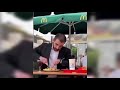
60, 23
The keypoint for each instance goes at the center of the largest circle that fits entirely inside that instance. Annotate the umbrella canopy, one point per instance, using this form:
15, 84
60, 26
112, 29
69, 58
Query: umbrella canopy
62, 23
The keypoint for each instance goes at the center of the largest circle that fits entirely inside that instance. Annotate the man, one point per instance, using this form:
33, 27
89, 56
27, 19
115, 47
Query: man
116, 73
50, 55
17, 62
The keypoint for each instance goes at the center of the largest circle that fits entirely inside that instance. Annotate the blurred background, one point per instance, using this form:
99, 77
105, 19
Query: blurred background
16, 37
14, 27
103, 31
103, 40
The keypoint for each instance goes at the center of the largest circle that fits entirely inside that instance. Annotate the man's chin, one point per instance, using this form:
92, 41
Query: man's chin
56, 49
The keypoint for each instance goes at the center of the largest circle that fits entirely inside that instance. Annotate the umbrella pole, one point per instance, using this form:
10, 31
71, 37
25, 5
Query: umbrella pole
69, 35
1, 26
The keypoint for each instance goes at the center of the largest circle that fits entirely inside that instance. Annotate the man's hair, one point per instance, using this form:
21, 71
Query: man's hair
61, 37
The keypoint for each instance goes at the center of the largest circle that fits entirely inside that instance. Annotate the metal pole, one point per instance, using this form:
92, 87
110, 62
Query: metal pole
51, 39
69, 35
0, 17
0, 24
0, 30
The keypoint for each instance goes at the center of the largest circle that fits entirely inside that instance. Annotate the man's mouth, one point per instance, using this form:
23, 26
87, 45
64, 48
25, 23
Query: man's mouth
56, 49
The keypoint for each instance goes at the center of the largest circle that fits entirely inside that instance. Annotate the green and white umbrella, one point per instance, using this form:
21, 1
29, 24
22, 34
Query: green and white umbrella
69, 23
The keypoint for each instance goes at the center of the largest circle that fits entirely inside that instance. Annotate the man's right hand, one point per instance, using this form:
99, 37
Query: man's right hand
43, 60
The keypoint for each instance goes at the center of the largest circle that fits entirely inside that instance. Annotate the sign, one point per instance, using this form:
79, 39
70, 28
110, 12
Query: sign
44, 20
94, 34
79, 38
83, 17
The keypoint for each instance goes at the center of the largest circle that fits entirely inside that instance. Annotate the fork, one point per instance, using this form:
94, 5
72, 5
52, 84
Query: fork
61, 60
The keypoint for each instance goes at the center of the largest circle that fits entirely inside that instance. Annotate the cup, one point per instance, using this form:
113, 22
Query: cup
72, 64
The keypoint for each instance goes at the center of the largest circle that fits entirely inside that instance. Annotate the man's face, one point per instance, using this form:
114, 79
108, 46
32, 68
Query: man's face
57, 45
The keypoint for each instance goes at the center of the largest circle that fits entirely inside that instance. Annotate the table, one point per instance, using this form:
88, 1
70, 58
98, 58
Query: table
58, 73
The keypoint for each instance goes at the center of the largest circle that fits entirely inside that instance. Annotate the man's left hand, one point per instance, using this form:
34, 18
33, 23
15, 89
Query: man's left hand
57, 62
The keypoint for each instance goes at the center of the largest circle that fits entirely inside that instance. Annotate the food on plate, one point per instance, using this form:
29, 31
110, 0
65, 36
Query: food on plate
50, 69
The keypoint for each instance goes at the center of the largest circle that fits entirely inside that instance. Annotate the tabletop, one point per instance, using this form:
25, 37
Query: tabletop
58, 73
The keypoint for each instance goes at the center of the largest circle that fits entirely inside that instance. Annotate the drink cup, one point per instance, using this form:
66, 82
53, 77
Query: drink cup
72, 64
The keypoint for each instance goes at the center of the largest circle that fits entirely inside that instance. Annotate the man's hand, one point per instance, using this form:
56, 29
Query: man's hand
20, 74
43, 60
56, 62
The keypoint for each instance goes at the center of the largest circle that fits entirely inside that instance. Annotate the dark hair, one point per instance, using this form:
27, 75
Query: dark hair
61, 37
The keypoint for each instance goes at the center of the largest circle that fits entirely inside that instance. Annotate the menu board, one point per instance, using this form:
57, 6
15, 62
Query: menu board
101, 34
78, 38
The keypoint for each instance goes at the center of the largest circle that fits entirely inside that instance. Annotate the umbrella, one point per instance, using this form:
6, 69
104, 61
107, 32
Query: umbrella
69, 23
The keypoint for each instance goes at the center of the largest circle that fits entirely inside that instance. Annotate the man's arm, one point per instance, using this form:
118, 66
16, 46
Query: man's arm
37, 52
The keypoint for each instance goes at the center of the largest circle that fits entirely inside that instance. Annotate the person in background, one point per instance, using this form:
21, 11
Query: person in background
84, 60
17, 62
51, 54
116, 72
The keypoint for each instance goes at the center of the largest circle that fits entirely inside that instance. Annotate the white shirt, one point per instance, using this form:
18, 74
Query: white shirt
115, 74
84, 61
53, 57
